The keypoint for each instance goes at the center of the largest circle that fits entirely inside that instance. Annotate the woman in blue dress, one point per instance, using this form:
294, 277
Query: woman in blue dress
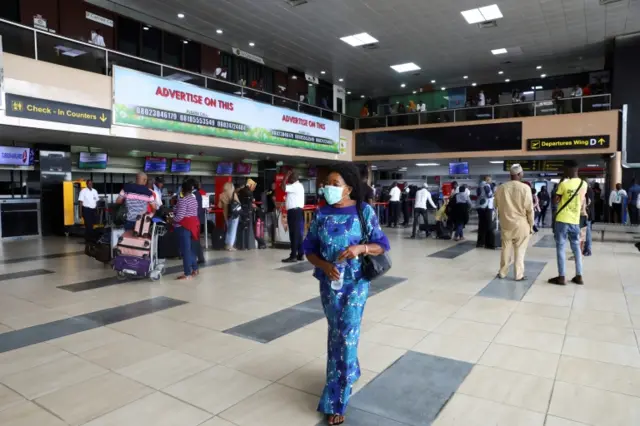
335, 238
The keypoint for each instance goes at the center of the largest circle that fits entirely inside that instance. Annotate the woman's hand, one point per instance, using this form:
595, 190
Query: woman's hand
351, 253
331, 271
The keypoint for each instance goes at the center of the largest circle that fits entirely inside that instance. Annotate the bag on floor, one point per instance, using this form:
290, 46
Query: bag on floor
217, 238
259, 229
132, 265
129, 245
143, 226
169, 246
442, 232
99, 251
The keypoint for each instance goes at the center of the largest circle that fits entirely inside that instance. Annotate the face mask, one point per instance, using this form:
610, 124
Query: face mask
333, 194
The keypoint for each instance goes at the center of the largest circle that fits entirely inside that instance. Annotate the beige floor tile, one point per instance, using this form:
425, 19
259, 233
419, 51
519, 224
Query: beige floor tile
589, 316
521, 360
206, 316
304, 340
557, 421
600, 301
4, 328
468, 329
216, 389
35, 318
271, 405
217, 421
416, 320
536, 323
498, 315
508, 387
399, 337
269, 362
464, 410
156, 409
634, 304
87, 340
8, 398
123, 353
546, 342
55, 375
550, 295
431, 308
594, 406
309, 378
28, 357
601, 375
376, 357
602, 333
635, 319
542, 310
28, 414
163, 331
462, 349
602, 351
80, 403
218, 347
164, 370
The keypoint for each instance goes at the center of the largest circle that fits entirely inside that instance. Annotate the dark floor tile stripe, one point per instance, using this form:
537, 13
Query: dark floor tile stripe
25, 274
547, 241
281, 323
41, 333
455, 251
510, 289
41, 257
412, 391
108, 281
297, 268
355, 417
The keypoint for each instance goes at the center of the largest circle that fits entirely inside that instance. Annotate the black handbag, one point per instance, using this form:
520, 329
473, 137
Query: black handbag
373, 267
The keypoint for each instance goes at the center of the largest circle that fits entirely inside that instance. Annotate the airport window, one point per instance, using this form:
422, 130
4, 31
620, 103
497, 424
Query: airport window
151, 44
128, 36
172, 50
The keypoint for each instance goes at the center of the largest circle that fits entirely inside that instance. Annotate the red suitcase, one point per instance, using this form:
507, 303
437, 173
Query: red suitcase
129, 245
143, 226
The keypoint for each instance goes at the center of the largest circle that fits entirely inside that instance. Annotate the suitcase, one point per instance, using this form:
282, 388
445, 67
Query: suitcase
143, 226
132, 265
494, 240
217, 239
259, 229
169, 246
130, 245
443, 233
99, 251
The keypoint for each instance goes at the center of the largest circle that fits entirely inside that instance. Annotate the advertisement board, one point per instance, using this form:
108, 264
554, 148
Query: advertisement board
92, 160
152, 102
16, 156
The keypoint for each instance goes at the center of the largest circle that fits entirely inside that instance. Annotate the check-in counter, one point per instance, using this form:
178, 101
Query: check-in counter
19, 218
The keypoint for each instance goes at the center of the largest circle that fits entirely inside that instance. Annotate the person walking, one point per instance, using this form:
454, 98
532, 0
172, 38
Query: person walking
634, 196
88, 202
423, 196
394, 205
536, 209
514, 203
484, 208
136, 197
616, 203
459, 209
271, 211
569, 197
545, 200
334, 246
295, 215
187, 226
230, 204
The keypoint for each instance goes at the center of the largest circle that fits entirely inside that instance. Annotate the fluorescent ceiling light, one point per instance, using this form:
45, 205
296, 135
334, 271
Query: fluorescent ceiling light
219, 31
359, 39
539, 67
433, 82
251, 44
145, 28
529, 92
474, 84
348, 93
473, 16
538, 87
403, 85
409, 66
500, 51
592, 165
310, 84
294, 77
180, 15
465, 77
543, 75
185, 41
443, 88
497, 162
500, 72
483, 14
427, 164
415, 91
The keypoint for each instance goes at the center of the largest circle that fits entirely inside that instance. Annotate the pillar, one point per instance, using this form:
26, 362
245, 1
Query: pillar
615, 170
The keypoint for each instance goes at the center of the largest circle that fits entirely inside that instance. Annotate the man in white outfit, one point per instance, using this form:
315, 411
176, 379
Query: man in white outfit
423, 196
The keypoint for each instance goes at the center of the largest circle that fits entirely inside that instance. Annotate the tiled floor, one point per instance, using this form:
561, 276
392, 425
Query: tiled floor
443, 342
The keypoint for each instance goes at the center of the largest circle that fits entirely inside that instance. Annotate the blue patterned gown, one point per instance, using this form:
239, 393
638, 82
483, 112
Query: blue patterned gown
332, 231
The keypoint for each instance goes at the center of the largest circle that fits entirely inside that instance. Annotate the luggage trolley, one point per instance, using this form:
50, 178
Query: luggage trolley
138, 267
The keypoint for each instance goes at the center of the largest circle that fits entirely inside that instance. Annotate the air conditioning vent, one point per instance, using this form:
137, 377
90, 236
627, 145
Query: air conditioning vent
488, 24
372, 46
294, 3
606, 2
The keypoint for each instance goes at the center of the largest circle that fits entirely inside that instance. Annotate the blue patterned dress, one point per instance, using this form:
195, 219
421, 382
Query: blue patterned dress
332, 231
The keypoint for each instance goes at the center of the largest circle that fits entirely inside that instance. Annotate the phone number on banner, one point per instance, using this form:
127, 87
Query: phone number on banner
190, 119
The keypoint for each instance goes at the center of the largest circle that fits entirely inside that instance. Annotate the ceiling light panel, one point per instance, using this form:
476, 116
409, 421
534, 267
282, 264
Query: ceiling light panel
500, 51
409, 66
473, 16
482, 14
359, 39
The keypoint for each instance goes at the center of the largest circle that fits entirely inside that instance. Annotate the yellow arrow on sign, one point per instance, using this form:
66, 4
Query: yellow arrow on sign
601, 141
103, 117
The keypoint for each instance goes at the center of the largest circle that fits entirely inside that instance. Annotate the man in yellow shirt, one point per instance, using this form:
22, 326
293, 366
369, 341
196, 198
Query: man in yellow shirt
514, 203
569, 197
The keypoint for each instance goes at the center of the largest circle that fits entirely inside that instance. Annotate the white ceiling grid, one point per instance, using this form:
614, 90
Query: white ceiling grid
565, 36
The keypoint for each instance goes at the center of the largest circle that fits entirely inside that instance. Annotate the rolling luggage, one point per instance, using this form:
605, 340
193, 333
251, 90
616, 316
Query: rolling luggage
442, 232
259, 233
99, 251
130, 245
169, 246
494, 240
217, 238
132, 265
143, 226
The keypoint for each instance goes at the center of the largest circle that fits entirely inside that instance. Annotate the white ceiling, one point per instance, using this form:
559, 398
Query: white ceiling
564, 36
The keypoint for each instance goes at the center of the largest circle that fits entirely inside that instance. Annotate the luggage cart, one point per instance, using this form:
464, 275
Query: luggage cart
154, 267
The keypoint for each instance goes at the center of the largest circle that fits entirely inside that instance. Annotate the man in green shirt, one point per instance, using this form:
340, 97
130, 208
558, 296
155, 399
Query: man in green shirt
569, 197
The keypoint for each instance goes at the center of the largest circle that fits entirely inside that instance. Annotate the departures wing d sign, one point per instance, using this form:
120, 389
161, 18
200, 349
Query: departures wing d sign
569, 143
59, 112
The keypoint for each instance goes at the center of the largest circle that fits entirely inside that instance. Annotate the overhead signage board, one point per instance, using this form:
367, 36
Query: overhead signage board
99, 19
59, 112
568, 143
527, 165
146, 101
247, 55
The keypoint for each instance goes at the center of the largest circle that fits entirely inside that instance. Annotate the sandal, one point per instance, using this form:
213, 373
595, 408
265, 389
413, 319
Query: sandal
335, 419
184, 277
195, 273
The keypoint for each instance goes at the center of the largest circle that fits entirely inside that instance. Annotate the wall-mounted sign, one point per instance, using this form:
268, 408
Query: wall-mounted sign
147, 101
311, 79
40, 23
99, 19
59, 112
16, 156
247, 55
571, 143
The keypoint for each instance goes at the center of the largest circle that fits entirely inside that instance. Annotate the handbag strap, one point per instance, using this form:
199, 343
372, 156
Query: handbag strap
570, 199
363, 224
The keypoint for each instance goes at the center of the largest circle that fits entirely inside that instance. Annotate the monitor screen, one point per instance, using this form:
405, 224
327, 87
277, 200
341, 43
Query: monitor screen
89, 160
16, 156
459, 168
224, 169
313, 172
155, 164
243, 168
180, 165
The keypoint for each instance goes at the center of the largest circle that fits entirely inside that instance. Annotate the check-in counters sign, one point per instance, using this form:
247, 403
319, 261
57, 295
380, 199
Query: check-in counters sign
579, 142
60, 112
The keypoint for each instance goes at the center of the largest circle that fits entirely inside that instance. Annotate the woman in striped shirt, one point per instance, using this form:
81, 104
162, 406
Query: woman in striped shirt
187, 226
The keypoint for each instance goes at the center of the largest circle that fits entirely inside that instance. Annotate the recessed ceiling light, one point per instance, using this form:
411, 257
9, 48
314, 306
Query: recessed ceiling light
500, 72
474, 84
362, 96
543, 75
443, 88
539, 67
341, 80
348, 93
403, 85
409, 66
180, 15
185, 41
465, 77
251, 44
433, 82
310, 84
497, 162
323, 72
219, 31
145, 28
538, 87
482, 14
415, 91
473, 16
359, 39
427, 164
500, 51
294, 77
506, 80
592, 165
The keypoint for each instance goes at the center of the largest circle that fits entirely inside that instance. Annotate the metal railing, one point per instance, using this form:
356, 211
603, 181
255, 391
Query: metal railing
41, 45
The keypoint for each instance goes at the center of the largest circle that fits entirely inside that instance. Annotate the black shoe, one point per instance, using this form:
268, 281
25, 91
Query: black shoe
289, 260
413, 237
300, 258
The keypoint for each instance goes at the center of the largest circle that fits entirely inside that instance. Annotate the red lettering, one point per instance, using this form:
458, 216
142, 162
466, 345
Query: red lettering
322, 126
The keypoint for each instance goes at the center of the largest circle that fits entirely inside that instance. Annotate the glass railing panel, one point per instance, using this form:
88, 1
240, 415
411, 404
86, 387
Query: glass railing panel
433, 117
474, 114
347, 122
257, 95
223, 86
285, 103
61, 51
132, 63
596, 103
372, 122
311, 110
17, 40
176, 74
